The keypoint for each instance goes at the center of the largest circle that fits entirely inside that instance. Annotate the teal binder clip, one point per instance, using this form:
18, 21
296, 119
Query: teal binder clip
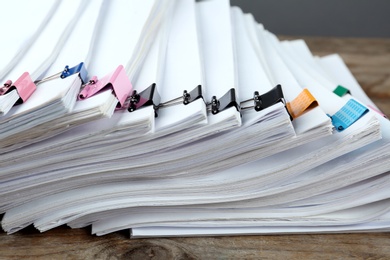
341, 91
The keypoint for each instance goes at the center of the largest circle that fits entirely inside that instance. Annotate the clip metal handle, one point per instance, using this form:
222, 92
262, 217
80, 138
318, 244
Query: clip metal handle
5, 88
186, 98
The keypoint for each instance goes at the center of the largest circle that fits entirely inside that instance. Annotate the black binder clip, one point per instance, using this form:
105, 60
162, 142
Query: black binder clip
226, 101
268, 99
195, 94
147, 97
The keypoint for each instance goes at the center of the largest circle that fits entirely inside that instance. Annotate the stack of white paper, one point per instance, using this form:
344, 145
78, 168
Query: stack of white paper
102, 105
260, 145
193, 151
44, 104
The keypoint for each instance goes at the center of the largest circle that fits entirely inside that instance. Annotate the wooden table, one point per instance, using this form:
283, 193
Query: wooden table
369, 61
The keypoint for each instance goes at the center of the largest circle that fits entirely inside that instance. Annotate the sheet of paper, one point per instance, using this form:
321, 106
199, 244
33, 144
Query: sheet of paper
33, 18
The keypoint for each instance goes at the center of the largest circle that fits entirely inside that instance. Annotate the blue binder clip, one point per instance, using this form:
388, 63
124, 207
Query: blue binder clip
80, 69
348, 114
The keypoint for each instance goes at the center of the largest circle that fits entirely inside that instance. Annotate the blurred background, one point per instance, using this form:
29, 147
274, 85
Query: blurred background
343, 18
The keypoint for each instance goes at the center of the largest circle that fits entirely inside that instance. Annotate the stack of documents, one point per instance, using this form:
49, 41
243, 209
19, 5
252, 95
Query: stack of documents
183, 118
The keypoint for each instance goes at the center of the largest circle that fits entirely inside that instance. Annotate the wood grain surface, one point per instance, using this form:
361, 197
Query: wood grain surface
369, 61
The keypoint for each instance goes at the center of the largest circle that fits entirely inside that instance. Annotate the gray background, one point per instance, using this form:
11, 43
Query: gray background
349, 18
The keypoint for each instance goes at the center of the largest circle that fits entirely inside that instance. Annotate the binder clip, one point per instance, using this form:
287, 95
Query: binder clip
80, 69
186, 98
193, 95
341, 91
117, 81
348, 115
226, 101
377, 111
304, 101
266, 100
23, 85
147, 97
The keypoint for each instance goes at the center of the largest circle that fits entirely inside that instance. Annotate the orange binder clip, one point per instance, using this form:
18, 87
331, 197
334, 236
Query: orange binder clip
301, 103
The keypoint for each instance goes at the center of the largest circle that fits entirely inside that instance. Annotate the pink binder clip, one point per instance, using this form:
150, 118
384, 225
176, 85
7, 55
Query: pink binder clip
23, 85
376, 110
117, 81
